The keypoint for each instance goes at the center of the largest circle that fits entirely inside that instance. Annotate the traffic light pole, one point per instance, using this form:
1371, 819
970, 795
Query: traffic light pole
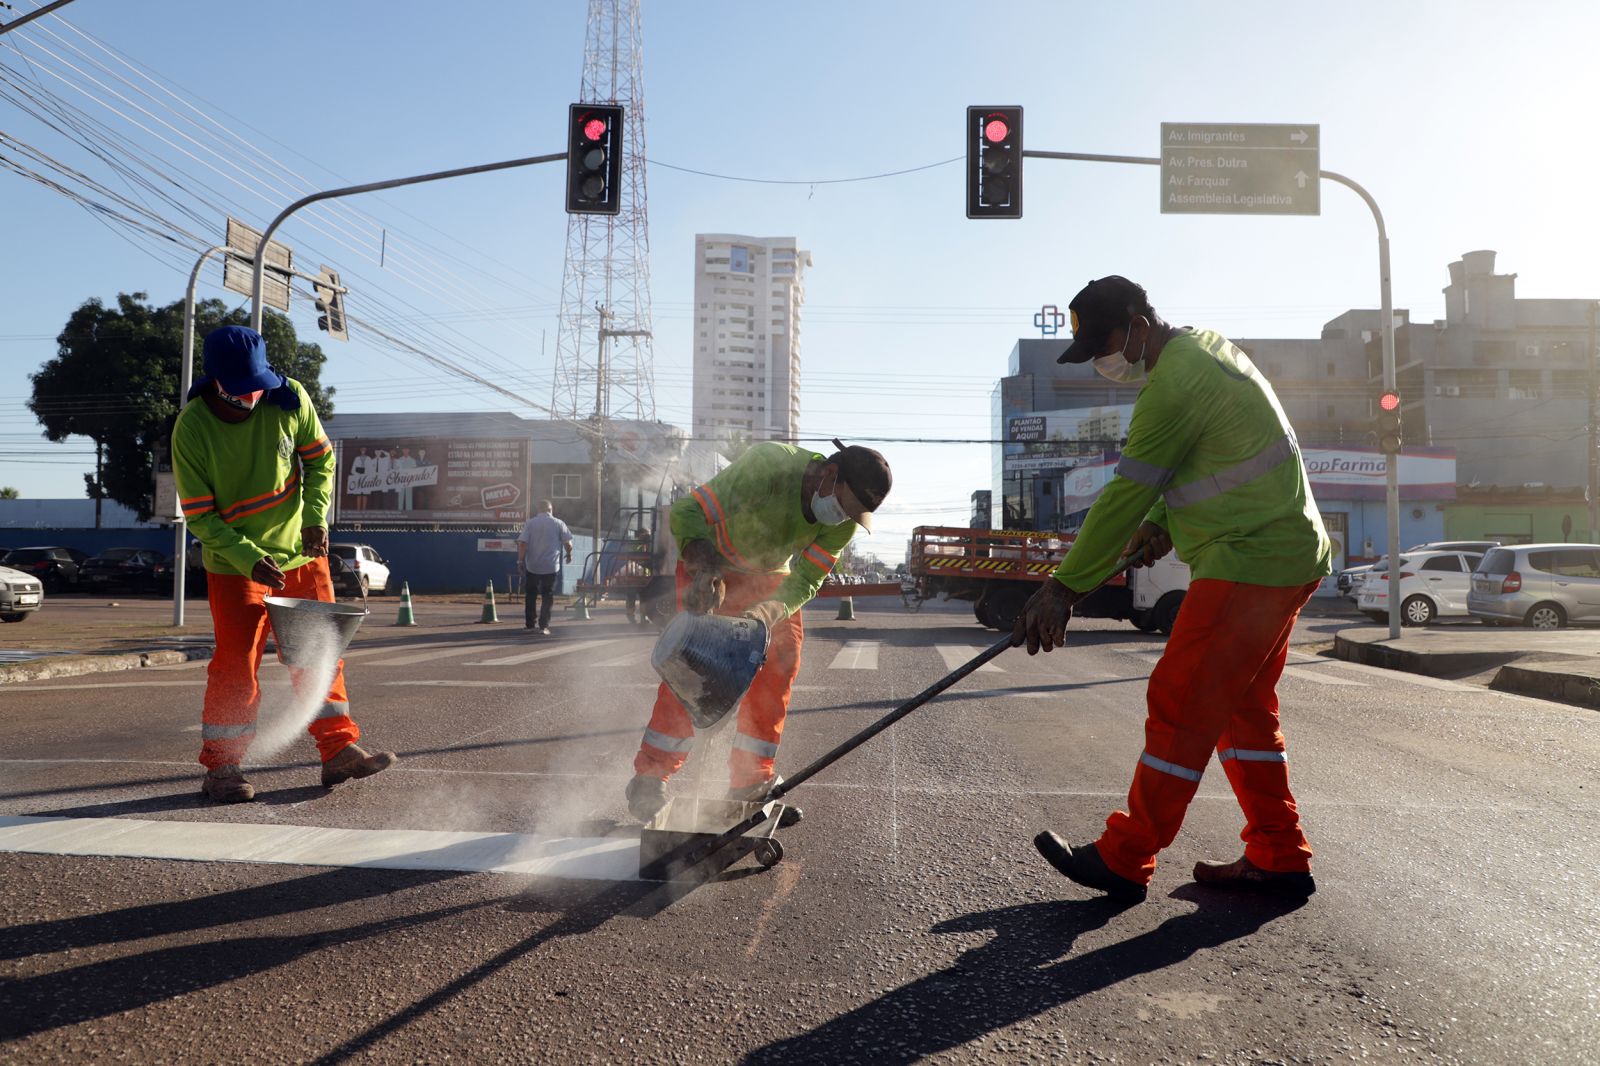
1391, 462
376, 186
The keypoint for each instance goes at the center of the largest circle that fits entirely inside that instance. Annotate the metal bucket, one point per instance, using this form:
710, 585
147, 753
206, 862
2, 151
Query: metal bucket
708, 661
308, 632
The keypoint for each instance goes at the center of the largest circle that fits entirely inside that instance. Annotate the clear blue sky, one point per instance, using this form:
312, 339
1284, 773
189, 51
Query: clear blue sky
1468, 120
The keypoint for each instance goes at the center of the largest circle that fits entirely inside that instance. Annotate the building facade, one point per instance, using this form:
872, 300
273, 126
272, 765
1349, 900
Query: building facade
748, 292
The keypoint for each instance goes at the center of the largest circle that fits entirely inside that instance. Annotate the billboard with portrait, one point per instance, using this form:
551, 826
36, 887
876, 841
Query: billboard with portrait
433, 481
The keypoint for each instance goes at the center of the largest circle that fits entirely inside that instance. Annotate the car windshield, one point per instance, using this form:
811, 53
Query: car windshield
117, 554
26, 555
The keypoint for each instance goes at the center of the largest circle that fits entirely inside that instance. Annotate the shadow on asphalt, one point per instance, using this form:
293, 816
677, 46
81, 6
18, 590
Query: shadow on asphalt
1019, 974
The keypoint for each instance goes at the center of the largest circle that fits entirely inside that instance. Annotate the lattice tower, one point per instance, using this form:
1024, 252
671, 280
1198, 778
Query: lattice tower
608, 257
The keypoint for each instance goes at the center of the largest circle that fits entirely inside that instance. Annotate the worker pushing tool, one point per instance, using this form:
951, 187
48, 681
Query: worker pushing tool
1212, 468
254, 472
758, 539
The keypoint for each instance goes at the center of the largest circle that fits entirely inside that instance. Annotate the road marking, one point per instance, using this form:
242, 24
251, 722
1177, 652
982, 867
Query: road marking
1399, 675
1301, 673
956, 655
856, 655
543, 653
585, 858
429, 656
633, 658
106, 684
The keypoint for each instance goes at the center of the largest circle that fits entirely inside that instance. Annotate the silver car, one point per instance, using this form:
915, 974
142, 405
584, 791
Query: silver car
1545, 586
20, 594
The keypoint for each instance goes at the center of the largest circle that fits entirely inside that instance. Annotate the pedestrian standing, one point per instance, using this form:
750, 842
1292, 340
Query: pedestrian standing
540, 547
1212, 468
255, 476
757, 540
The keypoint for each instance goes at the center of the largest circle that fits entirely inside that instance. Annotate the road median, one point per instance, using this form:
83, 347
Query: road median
1555, 665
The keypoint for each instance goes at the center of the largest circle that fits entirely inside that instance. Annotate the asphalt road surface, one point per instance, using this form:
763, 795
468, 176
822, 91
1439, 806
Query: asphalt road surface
1457, 918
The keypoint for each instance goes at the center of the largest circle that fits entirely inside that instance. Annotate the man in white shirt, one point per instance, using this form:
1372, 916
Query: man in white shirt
539, 551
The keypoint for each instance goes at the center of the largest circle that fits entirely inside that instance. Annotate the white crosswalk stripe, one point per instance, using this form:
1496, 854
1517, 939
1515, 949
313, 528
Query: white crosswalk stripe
1320, 677
956, 655
856, 655
431, 655
544, 653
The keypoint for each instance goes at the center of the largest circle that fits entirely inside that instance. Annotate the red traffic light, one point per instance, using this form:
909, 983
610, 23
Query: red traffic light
995, 131
1389, 401
594, 129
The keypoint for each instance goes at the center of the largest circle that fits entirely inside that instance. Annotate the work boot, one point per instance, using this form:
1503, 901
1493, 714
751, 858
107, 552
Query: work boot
225, 784
1084, 865
758, 792
646, 796
1242, 873
354, 762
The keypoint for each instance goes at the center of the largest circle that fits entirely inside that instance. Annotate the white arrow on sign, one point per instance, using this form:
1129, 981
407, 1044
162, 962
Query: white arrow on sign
1299, 136
1300, 179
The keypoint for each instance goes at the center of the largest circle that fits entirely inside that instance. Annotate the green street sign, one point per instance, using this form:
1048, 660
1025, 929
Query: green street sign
1220, 168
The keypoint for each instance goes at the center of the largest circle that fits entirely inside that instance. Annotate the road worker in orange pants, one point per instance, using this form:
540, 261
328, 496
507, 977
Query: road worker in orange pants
757, 540
1212, 468
254, 472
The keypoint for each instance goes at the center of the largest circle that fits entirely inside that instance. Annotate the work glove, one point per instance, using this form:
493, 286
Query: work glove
769, 613
1042, 625
1150, 542
314, 541
267, 572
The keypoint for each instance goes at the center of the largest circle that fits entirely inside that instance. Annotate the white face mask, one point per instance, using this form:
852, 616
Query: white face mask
827, 509
1116, 367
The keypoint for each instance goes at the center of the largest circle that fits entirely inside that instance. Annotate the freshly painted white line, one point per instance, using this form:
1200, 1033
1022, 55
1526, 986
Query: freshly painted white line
633, 658
436, 653
104, 684
955, 655
1320, 677
587, 858
856, 655
565, 648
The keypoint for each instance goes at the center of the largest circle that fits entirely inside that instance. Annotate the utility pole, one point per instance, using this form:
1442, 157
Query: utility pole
602, 414
1594, 439
30, 16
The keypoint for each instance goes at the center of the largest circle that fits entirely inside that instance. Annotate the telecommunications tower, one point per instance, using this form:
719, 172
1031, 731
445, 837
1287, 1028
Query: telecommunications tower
604, 358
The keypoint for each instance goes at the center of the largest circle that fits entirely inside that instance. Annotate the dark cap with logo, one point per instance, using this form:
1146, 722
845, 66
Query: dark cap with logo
1103, 305
866, 471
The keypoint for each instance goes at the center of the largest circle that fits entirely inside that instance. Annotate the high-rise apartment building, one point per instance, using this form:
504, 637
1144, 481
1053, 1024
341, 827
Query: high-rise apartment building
747, 297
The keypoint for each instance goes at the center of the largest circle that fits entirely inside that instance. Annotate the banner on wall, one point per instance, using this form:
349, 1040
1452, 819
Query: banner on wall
1359, 473
428, 481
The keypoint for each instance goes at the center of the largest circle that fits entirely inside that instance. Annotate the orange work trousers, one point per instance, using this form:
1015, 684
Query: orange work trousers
669, 737
233, 694
1215, 688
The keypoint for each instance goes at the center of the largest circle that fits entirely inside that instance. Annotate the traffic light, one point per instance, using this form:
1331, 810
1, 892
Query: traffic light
594, 159
1389, 423
994, 162
330, 304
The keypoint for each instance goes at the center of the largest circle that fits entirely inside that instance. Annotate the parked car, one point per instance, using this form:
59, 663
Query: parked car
364, 570
1433, 584
133, 569
56, 568
1348, 583
20, 594
1545, 586
194, 582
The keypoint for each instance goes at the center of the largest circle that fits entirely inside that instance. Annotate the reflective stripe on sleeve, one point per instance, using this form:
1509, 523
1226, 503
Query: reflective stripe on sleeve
1144, 473
817, 557
666, 743
745, 742
1169, 767
1240, 473
227, 732
1247, 755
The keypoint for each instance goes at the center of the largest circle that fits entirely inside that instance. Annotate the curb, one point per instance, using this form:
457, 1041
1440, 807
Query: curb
1549, 683
1432, 663
77, 665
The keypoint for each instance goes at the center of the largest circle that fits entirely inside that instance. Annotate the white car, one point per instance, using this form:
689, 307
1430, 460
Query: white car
20, 594
364, 570
1433, 584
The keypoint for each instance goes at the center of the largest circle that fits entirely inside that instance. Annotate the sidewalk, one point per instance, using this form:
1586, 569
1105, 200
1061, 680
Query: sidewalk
1562, 664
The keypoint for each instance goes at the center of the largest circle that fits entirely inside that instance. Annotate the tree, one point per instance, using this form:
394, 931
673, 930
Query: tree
114, 379
9, 493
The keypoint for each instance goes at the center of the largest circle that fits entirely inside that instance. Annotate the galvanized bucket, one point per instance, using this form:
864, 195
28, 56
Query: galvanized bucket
309, 632
708, 661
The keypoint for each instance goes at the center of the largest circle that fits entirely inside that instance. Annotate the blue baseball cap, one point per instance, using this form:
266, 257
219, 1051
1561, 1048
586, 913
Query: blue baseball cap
236, 359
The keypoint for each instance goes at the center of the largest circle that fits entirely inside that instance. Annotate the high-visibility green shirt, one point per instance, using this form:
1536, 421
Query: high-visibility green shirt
248, 488
1211, 458
751, 513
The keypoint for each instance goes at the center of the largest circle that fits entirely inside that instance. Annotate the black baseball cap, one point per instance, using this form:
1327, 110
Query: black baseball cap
866, 472
1099, 308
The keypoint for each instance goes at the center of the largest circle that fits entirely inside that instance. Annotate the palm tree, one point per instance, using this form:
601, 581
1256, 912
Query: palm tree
9, 493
